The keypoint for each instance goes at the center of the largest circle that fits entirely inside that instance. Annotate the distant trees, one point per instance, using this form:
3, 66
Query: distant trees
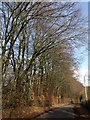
38, 41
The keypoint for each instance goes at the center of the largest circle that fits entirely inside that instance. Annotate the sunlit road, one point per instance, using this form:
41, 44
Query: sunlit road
65, 112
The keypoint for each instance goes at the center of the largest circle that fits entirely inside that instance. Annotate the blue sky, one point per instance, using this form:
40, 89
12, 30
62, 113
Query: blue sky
84, 10
83, 69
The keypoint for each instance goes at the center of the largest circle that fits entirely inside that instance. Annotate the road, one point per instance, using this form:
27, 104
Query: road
64, 112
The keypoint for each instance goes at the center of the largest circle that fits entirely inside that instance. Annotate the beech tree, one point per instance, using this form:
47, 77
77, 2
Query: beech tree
38, 41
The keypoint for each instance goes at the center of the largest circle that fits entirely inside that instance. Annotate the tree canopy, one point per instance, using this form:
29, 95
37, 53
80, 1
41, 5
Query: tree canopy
38, 42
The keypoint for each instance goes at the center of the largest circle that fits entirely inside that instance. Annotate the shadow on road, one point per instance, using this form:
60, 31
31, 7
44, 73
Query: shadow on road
61, 113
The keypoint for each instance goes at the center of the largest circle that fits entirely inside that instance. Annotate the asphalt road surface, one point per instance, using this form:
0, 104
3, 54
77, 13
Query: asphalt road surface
64, 112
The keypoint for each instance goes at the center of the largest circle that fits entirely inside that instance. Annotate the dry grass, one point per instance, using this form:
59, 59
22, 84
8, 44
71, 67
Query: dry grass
27, 112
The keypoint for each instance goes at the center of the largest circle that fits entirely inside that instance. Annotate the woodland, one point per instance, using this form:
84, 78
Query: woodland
38, 42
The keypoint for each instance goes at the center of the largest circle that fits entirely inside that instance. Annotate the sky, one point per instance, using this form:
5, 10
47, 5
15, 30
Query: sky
82, 53
83, 69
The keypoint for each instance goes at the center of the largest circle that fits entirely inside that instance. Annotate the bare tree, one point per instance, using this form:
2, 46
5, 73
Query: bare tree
37, 37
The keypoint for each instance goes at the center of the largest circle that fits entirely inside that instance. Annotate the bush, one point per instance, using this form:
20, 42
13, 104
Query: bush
30, 102
9, 104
